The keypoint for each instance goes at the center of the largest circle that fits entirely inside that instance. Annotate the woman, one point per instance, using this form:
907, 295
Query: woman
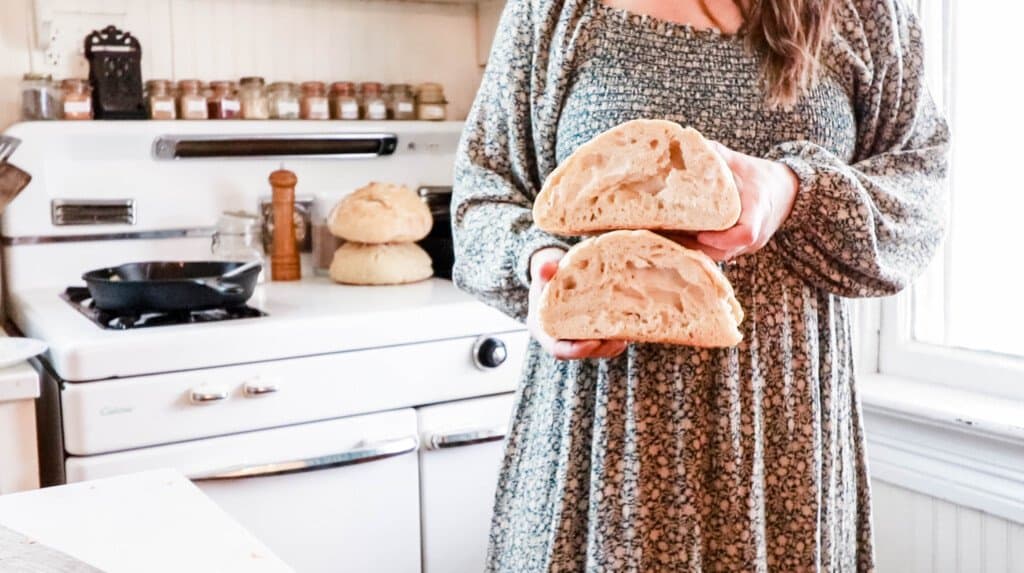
670, 458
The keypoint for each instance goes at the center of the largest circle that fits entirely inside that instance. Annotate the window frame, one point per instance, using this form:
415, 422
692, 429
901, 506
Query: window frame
898, 353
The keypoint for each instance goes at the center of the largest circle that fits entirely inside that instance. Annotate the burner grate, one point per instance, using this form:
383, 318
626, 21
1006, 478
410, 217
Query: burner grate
81, 300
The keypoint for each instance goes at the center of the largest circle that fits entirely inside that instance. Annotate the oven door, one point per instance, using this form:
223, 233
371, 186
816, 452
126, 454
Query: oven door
459, 462
337, 495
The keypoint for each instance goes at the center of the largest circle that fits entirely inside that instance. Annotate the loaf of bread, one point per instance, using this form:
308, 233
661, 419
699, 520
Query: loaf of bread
385, 264
380, 213
641, 287
642, 174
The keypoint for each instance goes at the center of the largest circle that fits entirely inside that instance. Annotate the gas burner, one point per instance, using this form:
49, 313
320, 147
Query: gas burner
80, 299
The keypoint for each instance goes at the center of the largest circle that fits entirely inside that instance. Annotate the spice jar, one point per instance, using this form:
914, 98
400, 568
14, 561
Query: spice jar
237, 238
401, 103
253, 98
430, 102
160, 100
343, 102
372, 105
40, 98
191, 102
283, 100
223, 101
314, 101
77, 99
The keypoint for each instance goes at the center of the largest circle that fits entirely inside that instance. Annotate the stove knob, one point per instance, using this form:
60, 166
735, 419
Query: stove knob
489, 352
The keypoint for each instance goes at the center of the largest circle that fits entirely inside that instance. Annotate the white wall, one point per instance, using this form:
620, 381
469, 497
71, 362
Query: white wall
915, 533
326, 40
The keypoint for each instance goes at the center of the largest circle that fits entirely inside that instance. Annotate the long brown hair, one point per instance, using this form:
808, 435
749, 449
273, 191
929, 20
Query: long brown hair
791, 35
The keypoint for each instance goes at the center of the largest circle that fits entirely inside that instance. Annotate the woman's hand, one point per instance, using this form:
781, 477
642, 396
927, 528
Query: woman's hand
767, 192
543, 265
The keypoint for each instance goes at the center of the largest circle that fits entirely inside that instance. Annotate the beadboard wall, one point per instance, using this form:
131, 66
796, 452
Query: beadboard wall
326, 40
916, 533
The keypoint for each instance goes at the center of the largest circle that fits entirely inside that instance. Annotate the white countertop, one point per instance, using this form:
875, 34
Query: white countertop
18, 382
155, 521
308, 317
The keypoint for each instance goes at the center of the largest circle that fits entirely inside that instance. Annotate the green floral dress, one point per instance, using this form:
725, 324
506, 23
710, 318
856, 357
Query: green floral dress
670, 458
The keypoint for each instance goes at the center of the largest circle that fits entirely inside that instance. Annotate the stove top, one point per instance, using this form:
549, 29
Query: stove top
80, 300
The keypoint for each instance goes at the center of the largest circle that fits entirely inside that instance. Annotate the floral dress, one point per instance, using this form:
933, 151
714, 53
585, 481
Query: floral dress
671, 458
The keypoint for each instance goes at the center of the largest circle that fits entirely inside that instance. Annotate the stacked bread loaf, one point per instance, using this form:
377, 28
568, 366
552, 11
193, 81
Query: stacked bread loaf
631, 283
380, 224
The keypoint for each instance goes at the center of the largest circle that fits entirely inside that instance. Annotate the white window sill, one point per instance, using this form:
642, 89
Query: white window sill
946, 442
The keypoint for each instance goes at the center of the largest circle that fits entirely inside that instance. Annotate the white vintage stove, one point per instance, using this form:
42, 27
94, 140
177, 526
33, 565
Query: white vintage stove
349, 428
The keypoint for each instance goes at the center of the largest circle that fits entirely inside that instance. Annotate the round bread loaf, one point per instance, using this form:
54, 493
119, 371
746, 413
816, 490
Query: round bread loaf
381, 213
386, 264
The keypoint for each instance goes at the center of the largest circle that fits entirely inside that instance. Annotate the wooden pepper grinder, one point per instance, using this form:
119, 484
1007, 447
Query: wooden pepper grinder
284, 261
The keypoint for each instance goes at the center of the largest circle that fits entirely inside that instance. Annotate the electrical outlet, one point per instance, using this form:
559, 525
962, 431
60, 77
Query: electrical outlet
65, 53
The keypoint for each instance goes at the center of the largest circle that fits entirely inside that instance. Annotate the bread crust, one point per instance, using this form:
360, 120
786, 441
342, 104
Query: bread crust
380, 213
640, 287
381, 264
642, 174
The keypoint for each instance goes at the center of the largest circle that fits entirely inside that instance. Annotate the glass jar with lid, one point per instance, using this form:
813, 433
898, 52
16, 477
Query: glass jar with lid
40, 97
431, 104
77, 99
160, 100
371, 101
223, 101
314, 101
237, 238
283, 99
191, 101
253, 98
401, 102
343, 101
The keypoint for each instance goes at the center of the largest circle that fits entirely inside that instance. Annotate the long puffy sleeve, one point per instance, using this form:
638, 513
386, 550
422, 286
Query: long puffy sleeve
870, 227
497, 175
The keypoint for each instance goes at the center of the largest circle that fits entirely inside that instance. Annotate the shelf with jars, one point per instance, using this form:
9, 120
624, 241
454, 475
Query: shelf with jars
250, 98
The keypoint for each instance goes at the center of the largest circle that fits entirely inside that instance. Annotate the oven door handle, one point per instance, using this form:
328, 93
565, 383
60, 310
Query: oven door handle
359, 455
464, 438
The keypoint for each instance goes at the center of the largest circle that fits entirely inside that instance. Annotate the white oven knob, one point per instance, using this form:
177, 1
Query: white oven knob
207, 394
259, 387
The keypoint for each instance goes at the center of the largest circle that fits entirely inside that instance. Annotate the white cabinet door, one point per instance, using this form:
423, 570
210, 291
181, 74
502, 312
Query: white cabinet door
339, 495
459, 463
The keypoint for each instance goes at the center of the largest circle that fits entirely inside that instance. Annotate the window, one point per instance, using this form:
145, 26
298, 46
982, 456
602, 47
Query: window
961, 323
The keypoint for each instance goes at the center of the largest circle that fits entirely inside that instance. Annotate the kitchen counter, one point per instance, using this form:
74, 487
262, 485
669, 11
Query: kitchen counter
153, 521
19, 387
309, 317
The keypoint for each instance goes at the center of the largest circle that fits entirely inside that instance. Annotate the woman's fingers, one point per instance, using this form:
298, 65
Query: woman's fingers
737, 237
547, 270
716, 254
574, 349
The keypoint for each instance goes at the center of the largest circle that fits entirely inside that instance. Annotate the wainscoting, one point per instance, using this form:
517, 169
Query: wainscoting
915, 533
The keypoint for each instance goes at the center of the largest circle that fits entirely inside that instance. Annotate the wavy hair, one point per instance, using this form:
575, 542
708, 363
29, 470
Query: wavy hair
791, 34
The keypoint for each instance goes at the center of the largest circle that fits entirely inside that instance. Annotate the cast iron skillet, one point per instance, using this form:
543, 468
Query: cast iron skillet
170, 286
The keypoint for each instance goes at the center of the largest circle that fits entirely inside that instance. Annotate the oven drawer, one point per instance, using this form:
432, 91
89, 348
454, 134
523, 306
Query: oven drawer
338, 495
113, 415
462, 444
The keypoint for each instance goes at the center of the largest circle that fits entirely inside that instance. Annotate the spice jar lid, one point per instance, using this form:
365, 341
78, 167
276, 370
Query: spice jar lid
343, 88
158, 82
430, 93
251, 81
37, 76
313, 88
399, 88
189, 85
370, 88
222, 86
74, 85
281, 86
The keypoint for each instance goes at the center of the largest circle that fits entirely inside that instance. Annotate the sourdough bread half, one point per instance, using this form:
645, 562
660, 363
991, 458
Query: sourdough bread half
641, 287
363, 264
642, 174
380, 213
